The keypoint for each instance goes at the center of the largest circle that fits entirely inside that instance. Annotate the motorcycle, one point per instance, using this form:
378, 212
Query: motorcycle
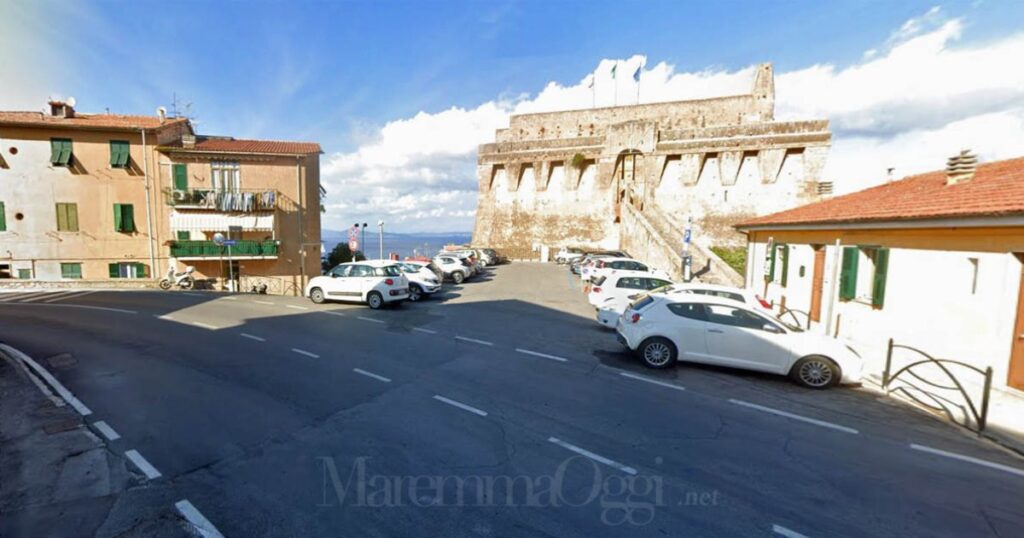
183, 280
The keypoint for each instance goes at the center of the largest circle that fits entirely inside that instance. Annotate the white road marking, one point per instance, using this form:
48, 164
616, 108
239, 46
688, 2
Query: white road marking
106, 309
591, 455
253, 337
371, 374
143, 465
808, 420
197, 519
296, 307
333, 313
230, 298
652, 381
264, 302
32, 297
106, 430
422, 330
370, 319
204, 325
460, 405
63, 296
544, 355
474, 340
969, 459
193, 294
306, 353
778, 529
43, 373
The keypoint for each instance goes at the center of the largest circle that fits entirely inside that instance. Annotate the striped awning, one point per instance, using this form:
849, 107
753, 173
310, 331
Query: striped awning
207, 221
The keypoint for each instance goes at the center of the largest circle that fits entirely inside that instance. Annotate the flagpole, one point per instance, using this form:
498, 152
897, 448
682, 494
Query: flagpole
615, 84
593, 90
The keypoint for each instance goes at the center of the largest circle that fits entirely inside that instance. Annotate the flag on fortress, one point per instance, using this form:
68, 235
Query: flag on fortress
636, 75
614, 67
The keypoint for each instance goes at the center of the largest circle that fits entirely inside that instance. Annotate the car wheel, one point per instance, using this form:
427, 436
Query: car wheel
816, 372
316, 295
458, 277
415, 292
657, 353
375, 300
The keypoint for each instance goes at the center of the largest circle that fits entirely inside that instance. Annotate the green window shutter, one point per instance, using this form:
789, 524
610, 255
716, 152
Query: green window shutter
128, 217
118, 153
3, 218
140, 270
848, 276
62, 218
785, 264
180, 177
72, 217
71, 270
183, 235
881, 270
56, 145
114, 270
770, 262
118, 223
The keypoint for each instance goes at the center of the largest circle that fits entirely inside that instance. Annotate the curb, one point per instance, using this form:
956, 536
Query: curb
38, 372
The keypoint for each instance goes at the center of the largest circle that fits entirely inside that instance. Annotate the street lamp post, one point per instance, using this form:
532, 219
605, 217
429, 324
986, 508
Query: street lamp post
362, 239
380, 224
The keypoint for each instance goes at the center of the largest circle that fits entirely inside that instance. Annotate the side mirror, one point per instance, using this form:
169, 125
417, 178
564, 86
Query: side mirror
771, 328
334, 275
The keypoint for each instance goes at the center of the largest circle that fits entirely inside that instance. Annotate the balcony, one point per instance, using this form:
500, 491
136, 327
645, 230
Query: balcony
225, 201
244, 249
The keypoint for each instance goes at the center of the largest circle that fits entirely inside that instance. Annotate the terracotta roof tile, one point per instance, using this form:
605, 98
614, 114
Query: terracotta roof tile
233, 145
86, 121
997, 189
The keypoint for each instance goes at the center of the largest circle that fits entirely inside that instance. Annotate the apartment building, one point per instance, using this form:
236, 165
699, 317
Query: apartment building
110, 198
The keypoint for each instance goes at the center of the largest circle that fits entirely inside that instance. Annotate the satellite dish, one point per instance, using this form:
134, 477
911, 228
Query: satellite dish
71, 102
218, 239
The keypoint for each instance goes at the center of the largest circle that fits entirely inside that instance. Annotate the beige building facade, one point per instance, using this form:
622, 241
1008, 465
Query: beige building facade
115, 200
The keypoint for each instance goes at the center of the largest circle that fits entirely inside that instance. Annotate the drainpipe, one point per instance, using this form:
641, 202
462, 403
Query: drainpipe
833, 289
149, 209
302, 233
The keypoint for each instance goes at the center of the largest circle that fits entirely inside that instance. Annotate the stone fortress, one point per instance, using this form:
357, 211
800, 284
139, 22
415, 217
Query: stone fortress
629, 177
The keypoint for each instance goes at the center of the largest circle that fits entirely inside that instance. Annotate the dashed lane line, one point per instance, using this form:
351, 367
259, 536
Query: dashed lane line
306, 353
253, 337
652, 381
422, 330
364, 318
371, 374
143, 465
197, 519
52, 381
106, 430
793, 416
969, 459
296, 307
596, 457
460, 405
474, 340
779, 529
331, 312
543, 355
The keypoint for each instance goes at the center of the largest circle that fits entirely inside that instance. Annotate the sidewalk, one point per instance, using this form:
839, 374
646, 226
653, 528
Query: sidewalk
58, 478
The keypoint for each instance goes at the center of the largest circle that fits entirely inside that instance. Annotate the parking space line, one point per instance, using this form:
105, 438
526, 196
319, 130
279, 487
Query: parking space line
296, 307
306, 353
62, 296
651, 381
422, 330
544, 355
106, 430
264, 302
969, 459
591, 455
204, 325
41, 296
253, 337
460, 405
474, 340
793, 416
103, 308
197, 519
371, 374
333, 313
143, 465
364, 318
779, 529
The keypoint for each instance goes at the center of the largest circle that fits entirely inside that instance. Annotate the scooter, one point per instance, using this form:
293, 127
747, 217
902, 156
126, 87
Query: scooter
183, 280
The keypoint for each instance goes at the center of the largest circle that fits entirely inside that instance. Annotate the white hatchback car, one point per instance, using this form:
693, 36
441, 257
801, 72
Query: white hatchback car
623, 287
374, 282
609, 266
700, 328
609, 310
453, 268
423, 280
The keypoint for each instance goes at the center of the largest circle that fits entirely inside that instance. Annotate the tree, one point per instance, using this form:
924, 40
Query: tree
342, 254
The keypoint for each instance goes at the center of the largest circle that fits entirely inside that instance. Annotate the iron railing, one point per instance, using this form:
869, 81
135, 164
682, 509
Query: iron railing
228, 201
267, 285
792, 312
209, 249
927, 394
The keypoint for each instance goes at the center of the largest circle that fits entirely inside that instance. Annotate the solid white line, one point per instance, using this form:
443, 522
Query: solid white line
106, 430
203, 325
591, 455
296, 307
306, 353
460, 405
121, 310
263, 302
808, 420
369, 319
371, 374
545, 355
422, 330
652, 381
43, 373
143, 465
197, 519
778, 529
474, 340
968, 459
253, 337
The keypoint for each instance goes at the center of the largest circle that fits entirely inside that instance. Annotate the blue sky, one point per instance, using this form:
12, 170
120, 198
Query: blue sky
340, 72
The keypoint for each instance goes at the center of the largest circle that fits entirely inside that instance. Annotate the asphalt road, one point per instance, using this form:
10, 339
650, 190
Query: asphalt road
496, 409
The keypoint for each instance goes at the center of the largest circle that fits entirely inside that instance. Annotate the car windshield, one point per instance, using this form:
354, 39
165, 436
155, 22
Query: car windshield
388, 270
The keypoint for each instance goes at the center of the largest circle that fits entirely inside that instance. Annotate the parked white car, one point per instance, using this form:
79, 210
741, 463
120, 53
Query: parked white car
707, 329
374, 282
568, 254
609, 310
588, 267
609, 266
423, 281
623, 287
453, 268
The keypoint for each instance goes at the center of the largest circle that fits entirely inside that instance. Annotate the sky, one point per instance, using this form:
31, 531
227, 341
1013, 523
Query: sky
400, 94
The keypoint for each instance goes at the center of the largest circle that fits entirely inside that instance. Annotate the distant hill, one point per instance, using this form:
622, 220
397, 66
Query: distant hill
405, 244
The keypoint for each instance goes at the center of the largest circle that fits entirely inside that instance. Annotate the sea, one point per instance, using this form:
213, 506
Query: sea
403, 244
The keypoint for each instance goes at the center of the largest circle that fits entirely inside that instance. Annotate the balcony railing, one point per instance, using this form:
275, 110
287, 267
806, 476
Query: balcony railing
209, 249
228, 201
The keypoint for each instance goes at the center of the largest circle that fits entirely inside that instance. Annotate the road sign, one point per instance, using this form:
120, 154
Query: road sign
218, 239
353, 233
229, 243
686, 236
353, 245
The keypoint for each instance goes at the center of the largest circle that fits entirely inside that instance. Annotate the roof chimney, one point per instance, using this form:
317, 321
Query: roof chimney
960, 168
188, 141
62, 109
